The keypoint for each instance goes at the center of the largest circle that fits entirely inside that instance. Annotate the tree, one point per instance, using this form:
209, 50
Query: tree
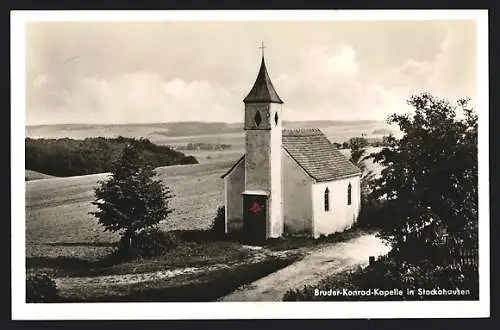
132, 199
386, 140
358, 148
429, 181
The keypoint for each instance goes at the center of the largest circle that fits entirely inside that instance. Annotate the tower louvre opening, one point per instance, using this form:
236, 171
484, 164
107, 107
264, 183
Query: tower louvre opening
257, 118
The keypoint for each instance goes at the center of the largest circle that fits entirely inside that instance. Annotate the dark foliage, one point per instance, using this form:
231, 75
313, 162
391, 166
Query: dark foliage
40, 288
132, 200
218, 227
68, 157
362, 142
370, 215
148, 243
429, 182
357, 146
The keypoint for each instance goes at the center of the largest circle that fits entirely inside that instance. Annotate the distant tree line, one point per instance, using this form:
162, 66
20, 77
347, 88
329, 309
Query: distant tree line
204, 146
362, 142
69, 157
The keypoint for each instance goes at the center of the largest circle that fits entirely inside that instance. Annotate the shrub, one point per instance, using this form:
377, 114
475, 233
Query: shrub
149, 243
218, 227
370, 215
133, 199
40, 288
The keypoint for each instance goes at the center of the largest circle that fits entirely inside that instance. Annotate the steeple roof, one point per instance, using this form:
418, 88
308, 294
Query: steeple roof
263, 90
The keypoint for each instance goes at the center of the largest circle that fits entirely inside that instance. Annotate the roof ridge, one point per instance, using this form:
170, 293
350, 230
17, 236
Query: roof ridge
301, 132
302, 129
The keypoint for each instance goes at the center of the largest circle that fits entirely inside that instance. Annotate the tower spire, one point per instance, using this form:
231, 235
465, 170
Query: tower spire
263, 90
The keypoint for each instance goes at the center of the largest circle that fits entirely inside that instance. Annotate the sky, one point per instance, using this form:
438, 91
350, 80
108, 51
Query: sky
144, 72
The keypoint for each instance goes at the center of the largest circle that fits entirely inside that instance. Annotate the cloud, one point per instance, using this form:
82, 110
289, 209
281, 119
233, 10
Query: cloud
176, 72
327, 85
137, 97
450, 74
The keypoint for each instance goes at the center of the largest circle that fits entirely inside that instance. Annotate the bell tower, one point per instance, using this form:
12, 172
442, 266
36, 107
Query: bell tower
262, 214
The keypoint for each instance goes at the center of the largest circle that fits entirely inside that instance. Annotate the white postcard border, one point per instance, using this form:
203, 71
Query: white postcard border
239, 310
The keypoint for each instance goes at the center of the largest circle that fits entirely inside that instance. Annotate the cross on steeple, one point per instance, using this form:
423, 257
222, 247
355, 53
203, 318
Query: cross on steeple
262, 47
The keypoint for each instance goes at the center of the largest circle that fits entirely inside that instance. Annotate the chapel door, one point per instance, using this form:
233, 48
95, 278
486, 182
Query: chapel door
254, 218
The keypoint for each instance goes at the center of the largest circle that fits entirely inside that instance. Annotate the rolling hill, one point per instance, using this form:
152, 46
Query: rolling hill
182, 129
34, 175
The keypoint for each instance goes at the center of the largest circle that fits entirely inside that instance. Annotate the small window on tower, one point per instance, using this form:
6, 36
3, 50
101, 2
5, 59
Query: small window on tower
257, 118
276, 119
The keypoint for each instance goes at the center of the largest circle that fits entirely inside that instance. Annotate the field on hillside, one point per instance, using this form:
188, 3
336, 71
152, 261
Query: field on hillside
33, 175
212, 156
57, 219
66, 242
58, 223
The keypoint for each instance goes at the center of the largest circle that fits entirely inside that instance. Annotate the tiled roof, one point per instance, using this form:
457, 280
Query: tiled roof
314, 153
263, 89
312, 150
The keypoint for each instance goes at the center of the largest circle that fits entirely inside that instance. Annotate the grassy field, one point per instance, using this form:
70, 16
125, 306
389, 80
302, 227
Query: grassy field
67, 243
219, 156
63, 240
58, 223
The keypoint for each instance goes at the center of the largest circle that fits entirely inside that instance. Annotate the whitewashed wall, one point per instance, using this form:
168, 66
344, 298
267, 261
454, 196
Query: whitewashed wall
275, 224
296, 189
340, 215
234, 184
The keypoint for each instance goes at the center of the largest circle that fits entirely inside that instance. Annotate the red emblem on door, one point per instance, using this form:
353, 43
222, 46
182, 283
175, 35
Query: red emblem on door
256, 208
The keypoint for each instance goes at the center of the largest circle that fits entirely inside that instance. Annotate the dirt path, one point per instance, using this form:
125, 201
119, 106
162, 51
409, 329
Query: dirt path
327, 260
68, 283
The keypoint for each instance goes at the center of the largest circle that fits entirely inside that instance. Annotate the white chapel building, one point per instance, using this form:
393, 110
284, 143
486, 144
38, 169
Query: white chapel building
288, 180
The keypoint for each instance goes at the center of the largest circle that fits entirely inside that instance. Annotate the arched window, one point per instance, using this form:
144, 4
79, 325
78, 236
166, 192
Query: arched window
349, 189
327, 199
